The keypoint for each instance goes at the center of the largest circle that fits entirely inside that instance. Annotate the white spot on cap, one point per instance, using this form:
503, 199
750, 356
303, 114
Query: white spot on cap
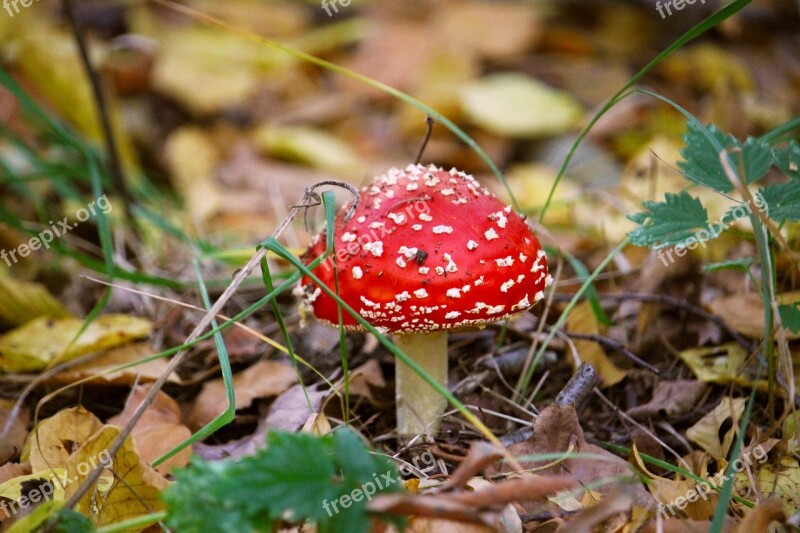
452, 314
413, 186
398, 218
500, 218
439, 271
376, 225
495, 309
400, 262
402, 297
479, 281
507, 262
370, 303
453, 293
424, 270
442, 229
421, 293
375, 248
451, 265
507, 285
491, 234
539, 296
425, 217
357, 273
408, 252
522, 257
361, 219
416, 227
448, 192
471, 245
522, 304
348, 237
465, 288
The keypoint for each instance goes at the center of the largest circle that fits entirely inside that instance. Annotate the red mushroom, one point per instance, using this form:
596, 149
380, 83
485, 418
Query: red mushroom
428, 250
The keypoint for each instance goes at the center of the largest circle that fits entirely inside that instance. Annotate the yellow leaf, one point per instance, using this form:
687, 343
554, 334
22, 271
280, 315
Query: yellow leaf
706, 432
582, 320
22, 301
516, 105
37, 518
105, 369
310, 146
722, 364
45, 341
134, 488
52, 441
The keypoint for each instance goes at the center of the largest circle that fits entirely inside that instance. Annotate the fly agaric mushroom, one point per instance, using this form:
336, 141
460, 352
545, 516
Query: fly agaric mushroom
426, 251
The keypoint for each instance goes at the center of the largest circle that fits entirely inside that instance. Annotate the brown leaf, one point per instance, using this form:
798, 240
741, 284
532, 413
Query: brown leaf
55, 438
101, 370
13, 440
481, 454
262, 380
590, 517
556, 430
158, 431
671, 398
760, 517
745, 312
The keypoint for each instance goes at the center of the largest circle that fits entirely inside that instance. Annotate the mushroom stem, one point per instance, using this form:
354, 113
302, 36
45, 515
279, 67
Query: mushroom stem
419, 406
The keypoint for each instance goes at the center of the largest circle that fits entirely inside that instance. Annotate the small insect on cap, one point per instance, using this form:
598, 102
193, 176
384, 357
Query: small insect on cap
428, 249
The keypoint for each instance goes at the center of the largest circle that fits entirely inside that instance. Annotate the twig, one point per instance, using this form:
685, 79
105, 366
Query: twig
240, 276
578, 387
613, 345
114, 165
429, 124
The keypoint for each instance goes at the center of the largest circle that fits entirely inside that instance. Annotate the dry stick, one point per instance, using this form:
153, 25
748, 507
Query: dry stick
240, 276
114, 165
428, 131
613, 345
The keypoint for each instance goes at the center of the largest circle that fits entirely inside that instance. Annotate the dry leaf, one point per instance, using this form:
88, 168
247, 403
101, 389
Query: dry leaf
134, 488
670, 398
22, 301
45, 341
761, 516
582, 320
728, 363
158, 431
104, 369
745, 312
262, 380
706, 432
56, 438
516, 105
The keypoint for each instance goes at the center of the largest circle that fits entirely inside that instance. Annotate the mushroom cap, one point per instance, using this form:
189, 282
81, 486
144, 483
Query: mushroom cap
428, 249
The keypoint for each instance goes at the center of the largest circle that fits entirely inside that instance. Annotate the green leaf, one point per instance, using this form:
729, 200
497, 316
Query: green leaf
70, 521
788, 159
782, 201
670, 222
701, 162
790, 316
298, 478
742, 264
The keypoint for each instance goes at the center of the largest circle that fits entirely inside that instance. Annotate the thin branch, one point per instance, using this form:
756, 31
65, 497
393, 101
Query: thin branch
428, 131
114, 164
240, 276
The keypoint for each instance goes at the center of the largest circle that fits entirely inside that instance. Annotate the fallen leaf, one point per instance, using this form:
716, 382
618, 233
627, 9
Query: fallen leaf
105, 369
761, 516
158, 431
582, 320
556, 430
706, 432
14, 438
728, 363
781, 481
591, 517
54, 439
262, 380
670, 398
44, 341
745, 312
366, 379
134, 488
313, 147
22, 301
516, 105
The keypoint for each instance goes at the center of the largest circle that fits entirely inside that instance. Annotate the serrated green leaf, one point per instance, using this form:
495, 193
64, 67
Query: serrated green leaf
788, 159
701, 162
790, 316
782, 201
670, 222
298, 478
